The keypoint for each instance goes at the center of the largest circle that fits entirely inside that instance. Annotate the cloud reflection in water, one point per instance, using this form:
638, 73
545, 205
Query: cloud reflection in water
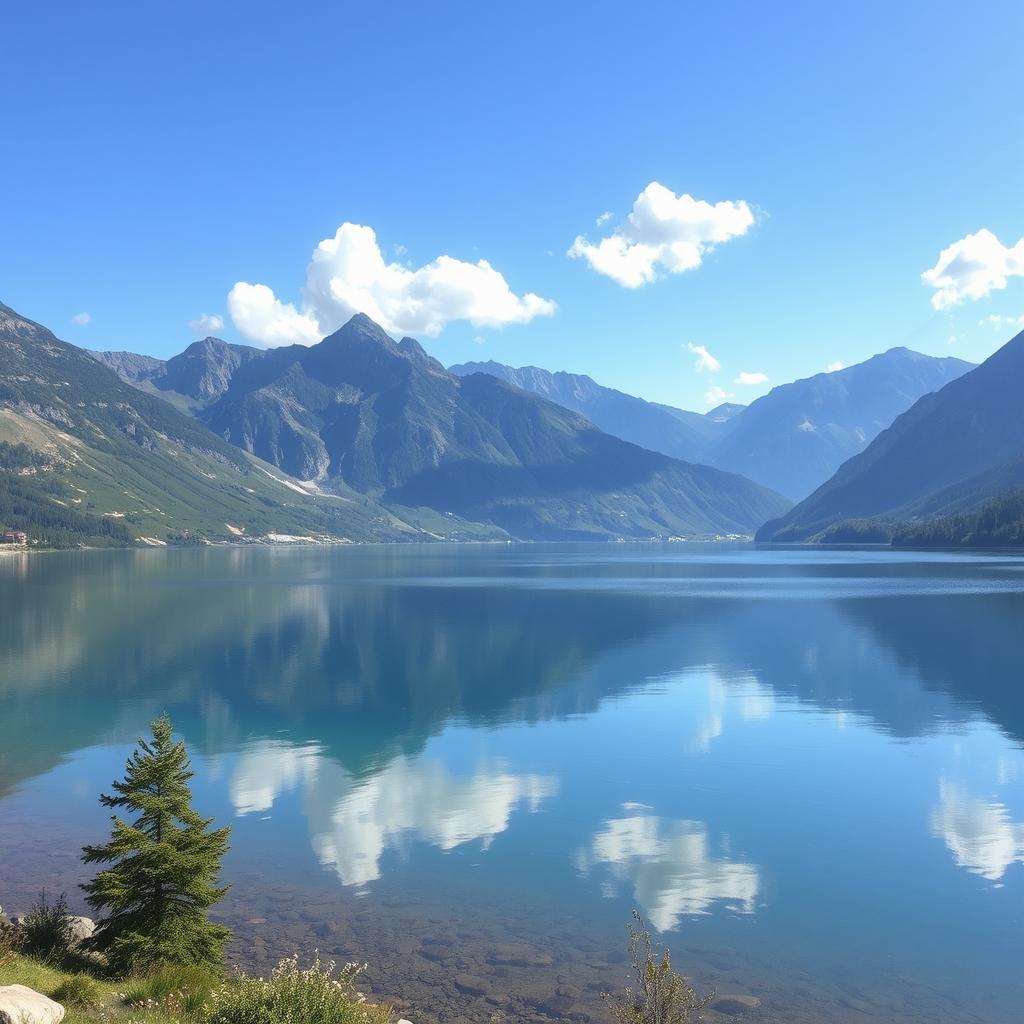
669, 865
354, 822
979, 833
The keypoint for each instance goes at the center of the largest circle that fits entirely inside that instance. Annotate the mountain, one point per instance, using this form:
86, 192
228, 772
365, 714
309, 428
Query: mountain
724, 412
87, 458
361, 411
191, 379
673, 432
795, 437
949, 453
791, 440
130, 366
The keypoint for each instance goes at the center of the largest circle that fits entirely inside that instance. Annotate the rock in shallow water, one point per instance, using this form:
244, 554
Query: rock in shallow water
22, 1005
735, 1004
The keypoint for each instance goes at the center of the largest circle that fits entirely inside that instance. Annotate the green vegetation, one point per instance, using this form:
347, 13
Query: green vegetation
294, 995
46, 930
34, 500
164, 865
998, 523
662, 995
79, 991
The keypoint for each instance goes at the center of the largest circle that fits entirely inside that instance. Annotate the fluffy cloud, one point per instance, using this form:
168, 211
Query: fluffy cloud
973, 267
980, 835
264, 319
670, 867
348, 274
207, 323
705, 360
604, 218
82, 319
716, 395
751, 379
663, 233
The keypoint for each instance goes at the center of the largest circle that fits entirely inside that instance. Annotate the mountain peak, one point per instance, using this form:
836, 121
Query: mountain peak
359, 328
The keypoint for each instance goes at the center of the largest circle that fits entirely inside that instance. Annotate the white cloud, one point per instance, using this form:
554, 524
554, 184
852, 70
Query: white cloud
997, 321
979, 834
604, 218
972, 268
663, 233
207, 323
716, 395
705, 360
835, 367
348, 274
751, 379
670, 867
263, 318
82, 319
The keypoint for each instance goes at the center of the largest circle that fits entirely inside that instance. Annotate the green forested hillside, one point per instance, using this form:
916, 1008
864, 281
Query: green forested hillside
113, 463
998, 523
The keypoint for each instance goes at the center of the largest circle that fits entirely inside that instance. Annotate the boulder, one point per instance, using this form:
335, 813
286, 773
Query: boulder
82, 928
22, 1005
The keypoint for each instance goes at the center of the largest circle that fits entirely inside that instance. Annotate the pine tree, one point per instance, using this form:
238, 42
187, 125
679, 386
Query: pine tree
164, 865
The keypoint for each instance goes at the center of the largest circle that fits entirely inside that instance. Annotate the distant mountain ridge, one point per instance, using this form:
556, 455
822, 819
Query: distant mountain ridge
949, 453
790, 440
674, 432
795, 437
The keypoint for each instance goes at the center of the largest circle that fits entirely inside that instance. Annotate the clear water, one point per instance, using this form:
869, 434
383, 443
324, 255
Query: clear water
804, 767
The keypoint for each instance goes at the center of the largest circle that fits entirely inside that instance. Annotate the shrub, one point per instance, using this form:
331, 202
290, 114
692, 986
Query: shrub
295, 996
662, 994
46, 929
78, 991
11, 941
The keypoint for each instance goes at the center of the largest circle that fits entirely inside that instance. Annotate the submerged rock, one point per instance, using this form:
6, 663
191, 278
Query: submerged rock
736, 1004
20, 1004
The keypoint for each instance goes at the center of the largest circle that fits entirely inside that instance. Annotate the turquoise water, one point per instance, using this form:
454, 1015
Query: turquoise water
804, 767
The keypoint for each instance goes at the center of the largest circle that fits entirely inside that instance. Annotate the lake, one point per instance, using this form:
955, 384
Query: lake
467, 764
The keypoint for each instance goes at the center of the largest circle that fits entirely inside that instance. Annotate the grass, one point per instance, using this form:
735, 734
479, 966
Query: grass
293, 995
49, 978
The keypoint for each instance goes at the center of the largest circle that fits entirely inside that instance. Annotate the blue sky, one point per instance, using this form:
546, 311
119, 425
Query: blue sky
158, 154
